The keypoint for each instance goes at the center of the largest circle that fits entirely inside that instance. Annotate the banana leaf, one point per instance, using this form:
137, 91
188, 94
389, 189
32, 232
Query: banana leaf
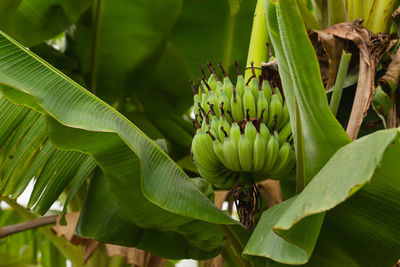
147, 185
102, 218
333, 176
32, 22
359, 189
132, 33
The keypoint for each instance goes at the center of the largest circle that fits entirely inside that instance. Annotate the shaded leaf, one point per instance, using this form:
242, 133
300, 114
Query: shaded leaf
108, 132
131, 33
32, 22
301, 80
114, 227
366, 169
137, 257
230, 33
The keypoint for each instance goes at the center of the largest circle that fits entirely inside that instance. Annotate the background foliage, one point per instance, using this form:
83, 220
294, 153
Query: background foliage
95, 111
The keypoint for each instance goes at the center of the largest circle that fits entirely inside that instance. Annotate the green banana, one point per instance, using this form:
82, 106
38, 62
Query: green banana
253, 81
227, 83
288, 167
219, 151
212, 81
201, 153
205, 107
223, 128
212, 102
224, 105
285, 133
250, 131
210, 168
271, 153
249, 106
220, 177
236, 105
233, 128
265, 132
235, 133
274, 112
284, 116
254, 88
282, 160
262, 106
231, 154
266, 88
240, 82
245, 153
207, 141
259, 151
219, 87
278, 93
214, 126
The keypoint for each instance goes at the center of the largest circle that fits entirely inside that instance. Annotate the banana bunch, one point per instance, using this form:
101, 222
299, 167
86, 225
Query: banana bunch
242, 128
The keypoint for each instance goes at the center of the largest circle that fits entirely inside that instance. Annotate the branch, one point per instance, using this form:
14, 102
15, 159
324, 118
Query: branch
73, 254
35, 223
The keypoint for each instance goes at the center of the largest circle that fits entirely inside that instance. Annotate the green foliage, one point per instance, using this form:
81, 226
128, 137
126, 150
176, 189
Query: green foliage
295, 225
116, 150
32, 22
22, 249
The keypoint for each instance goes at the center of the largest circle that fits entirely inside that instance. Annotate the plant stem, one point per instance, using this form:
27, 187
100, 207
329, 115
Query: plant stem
317, 6
309, 19
366, 10
341, 76
381, 15
93, 58
336, 11
354, 9
74, 255
258, 40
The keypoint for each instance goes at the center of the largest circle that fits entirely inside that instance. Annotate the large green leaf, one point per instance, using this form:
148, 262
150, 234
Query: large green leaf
131, 37
361, 231
147, 71
296, 225
27, 154
156, 72
211, 30
318, 134
144, 180
162, 84
101, 218
32, 22
301, 80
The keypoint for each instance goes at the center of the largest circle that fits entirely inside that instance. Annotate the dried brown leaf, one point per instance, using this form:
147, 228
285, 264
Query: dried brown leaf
271, 191
370, 49
134, 256
67, 231
396, 13
392, 74
214, 262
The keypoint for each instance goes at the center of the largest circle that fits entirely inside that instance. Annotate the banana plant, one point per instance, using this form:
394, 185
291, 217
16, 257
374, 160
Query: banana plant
99, 117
